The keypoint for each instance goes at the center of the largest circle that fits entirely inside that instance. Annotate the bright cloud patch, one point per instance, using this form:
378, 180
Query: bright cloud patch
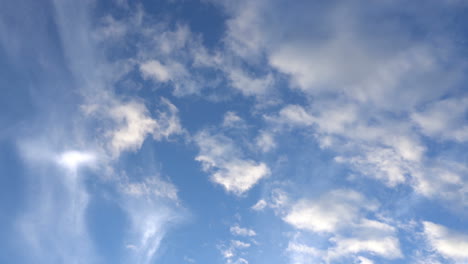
449, 243
341, 214
223, 159
73, 159
134, 123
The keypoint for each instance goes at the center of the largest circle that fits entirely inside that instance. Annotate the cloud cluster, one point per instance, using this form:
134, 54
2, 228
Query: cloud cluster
103, 124
378, 86
340, 216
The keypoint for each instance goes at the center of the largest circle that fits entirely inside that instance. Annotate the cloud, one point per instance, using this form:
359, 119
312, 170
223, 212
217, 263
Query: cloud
303, 249
74, 159
151, 186
265, 141
132, 123
260, 205
387, 247
341, 214
59, 187
239, 231
219, 156
363, 260
153, 208
448, 243
155, 70
248, 85
55, 223
231, 119
444, 119
330, 212
231, 251
294, 115
370, 103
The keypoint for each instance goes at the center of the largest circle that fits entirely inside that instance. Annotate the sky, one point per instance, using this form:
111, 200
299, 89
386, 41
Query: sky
233, 132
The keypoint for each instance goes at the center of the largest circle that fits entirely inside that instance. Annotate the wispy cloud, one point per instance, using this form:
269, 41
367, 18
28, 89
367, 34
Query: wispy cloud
340, 215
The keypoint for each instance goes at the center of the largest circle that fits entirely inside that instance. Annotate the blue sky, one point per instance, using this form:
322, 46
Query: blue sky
237, 132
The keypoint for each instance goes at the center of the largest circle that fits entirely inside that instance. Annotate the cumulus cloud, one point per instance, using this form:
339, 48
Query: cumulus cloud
449, 243
331, 212
133, 123
341, 214
367, 101
220, 156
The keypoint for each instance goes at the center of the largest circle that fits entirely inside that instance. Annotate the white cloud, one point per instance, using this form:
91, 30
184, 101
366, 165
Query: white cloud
331, 212
244, 36
151, 186
152, 207
444, 119
342, 215
231, 251
239, 231
134, 122
231, 119
386, 246
238, 176
249, 85
110, 28
224, 161
381, 163
73, 159
366, 100
239, 244
260, 205
168, 121
55, 226
239, 261
265, 141
363, 260
294, 115
449, 243
303, 249
54, 215
155, 70
301, 253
